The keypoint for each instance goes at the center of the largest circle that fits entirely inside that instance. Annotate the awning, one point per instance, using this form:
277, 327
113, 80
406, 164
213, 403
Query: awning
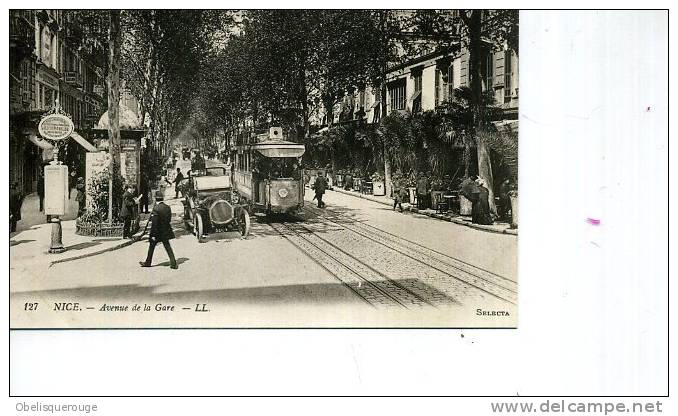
83, 142
279, 149
40, 142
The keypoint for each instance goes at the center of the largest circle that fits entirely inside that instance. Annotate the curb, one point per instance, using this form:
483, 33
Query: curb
458, 221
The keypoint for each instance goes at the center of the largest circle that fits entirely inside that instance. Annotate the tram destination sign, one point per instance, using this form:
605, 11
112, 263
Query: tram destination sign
55, 127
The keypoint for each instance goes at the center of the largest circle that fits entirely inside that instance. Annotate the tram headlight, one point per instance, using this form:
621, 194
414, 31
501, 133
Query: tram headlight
283, 192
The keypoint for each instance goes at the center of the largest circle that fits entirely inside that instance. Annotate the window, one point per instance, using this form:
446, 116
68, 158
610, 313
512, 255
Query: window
508, 75
437, 87
396, 92
450, 81
489, 72
417, 82
416, 96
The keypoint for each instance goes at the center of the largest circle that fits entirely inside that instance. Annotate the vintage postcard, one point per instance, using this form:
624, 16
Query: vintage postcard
263, 168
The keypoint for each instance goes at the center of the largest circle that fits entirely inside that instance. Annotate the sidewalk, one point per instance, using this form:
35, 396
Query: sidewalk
29, 249
29, 246
500, 228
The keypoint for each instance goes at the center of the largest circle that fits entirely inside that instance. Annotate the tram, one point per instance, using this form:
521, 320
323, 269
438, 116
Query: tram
267, 173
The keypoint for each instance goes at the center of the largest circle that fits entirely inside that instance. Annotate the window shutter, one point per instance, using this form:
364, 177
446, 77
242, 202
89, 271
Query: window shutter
499, 69
464, 81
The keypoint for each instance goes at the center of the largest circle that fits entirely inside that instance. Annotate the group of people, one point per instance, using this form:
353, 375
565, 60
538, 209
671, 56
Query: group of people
474, 189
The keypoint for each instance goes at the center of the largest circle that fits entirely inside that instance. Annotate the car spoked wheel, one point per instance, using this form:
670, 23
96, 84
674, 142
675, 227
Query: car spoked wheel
198, 227
244, 223
187, 219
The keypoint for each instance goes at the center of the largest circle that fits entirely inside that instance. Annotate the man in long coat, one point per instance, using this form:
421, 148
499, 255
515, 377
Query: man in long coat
320, 185
161, 231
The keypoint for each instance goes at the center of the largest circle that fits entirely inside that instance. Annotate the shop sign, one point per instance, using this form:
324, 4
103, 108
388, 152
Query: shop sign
55, 127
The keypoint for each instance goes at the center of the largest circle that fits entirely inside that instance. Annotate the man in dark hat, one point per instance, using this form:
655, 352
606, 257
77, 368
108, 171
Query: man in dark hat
80, 195
320, 185
161, 231
177, 183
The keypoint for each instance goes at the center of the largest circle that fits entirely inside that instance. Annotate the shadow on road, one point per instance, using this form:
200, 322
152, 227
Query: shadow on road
295, 294
81, 246
13, 243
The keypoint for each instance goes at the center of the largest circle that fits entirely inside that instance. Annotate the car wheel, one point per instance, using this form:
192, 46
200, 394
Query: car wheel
187, 219
244, 223
198, 227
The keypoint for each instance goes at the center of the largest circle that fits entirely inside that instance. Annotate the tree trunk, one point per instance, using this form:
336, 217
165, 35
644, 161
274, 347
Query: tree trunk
388, 180
475, 59
114, 39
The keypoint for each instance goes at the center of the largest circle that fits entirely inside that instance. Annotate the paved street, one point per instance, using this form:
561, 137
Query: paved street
355, 263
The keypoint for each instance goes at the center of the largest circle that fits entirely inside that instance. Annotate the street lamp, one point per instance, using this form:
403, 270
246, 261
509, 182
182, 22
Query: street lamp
56, 126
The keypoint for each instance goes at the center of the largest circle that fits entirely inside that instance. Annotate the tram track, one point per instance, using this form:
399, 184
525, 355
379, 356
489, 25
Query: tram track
375, 288
469, 276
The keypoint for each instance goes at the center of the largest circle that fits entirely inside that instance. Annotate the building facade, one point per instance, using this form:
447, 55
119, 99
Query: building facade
427, 82
48, 66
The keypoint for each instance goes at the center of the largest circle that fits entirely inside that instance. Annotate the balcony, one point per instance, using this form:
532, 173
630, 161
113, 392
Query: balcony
21, 35
73, 78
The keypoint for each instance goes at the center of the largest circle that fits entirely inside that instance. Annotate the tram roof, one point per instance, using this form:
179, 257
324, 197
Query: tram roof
279, 148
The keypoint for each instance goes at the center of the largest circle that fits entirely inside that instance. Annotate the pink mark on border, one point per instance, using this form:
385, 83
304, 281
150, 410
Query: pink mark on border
593, 221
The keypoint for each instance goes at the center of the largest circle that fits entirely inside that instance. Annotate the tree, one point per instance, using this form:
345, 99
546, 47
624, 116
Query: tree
477, 30
114, 38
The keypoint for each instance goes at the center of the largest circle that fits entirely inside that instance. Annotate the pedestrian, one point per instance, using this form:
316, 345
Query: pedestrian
348, 182
399, 195
177, 183
422, 192
16, 199
41, 190
161, 231
504, 207
71, 182
127, 210
320, 185
143, 189
80, 195
480, 210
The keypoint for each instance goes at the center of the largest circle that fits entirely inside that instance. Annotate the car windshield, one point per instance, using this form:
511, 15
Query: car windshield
213, 171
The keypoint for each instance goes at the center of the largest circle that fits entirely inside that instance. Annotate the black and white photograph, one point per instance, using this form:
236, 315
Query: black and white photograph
297, 201
263, 168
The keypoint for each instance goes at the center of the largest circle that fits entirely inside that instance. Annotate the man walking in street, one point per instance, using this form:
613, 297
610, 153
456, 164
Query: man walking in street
177, 183
320, 185
161, 231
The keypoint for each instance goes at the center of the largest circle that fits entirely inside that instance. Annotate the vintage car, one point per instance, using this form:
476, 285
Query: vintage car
211, 205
